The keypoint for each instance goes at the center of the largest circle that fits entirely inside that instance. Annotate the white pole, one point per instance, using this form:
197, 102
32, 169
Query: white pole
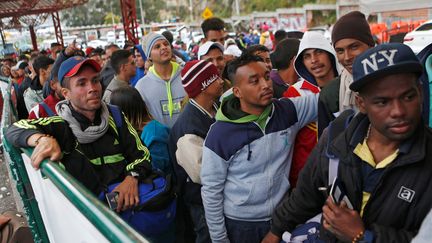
237, 5
191, 9
142, 15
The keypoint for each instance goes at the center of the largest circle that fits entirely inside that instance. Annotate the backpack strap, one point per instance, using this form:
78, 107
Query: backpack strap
48, 110
335, 128
117, 116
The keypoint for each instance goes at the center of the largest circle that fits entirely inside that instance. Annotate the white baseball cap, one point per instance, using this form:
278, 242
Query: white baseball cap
204, 49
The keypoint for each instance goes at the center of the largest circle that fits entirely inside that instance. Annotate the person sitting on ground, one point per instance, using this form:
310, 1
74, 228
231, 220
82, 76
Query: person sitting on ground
123, 63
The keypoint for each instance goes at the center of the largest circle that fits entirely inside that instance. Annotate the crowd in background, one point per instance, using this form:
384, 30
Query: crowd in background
249, 127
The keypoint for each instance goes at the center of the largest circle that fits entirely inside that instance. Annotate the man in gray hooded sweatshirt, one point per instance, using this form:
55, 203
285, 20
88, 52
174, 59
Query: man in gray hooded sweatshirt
161, 89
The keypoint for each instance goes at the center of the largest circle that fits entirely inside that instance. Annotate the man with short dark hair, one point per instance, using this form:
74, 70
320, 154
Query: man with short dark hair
214, 30
382, 159
33, 95
55, 48
284, 74
108, 71
279, 36
264, 53
247, 153
123, 64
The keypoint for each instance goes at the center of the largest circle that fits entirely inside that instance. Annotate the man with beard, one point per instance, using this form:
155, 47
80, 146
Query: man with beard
382, 159
161, 88
247, 153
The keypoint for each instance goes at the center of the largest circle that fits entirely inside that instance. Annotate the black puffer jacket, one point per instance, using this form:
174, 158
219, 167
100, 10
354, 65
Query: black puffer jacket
386, 215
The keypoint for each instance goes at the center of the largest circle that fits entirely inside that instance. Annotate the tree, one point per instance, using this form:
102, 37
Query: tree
110, 18
93, 12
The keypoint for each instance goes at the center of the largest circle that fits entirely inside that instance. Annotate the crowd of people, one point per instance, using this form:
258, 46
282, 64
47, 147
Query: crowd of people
268, 137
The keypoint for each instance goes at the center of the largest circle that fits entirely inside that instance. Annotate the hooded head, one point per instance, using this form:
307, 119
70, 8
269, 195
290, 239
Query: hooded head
314, 40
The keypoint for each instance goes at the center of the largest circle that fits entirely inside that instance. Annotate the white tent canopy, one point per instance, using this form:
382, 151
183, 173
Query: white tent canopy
377, 6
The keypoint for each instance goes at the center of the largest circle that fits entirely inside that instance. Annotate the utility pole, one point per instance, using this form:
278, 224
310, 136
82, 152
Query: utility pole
112, 18
191, 10
142, 17
237, 7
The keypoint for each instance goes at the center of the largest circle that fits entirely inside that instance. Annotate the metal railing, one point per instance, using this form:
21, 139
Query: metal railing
107, 222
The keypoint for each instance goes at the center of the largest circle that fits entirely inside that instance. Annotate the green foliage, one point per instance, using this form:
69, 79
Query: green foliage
93, 12
110, 18
99, 12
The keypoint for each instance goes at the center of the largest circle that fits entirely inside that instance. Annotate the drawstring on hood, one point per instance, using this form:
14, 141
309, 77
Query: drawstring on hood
314, 40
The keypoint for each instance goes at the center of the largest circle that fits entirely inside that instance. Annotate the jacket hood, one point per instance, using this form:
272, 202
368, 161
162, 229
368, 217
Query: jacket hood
229, 111
139, 48
315, 40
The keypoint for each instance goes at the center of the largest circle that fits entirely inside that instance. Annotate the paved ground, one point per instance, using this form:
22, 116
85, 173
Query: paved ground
7, 201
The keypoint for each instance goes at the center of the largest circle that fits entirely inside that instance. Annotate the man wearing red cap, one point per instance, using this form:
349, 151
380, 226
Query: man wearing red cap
91, 147
204, 86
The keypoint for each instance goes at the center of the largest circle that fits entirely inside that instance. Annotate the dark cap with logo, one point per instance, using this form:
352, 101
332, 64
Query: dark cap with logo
384, 60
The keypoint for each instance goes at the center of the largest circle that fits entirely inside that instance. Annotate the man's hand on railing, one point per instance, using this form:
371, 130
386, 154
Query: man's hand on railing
128, 194
45, 147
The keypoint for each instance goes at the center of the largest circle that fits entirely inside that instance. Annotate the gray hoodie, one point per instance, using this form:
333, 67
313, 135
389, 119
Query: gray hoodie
162, 98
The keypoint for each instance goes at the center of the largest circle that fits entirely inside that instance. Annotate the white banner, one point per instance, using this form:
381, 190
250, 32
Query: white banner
63, 221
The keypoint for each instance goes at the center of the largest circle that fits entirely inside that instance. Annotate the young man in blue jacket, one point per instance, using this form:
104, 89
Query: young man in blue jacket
247, 153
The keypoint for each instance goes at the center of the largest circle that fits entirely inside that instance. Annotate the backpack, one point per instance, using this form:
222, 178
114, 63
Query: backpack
309, 232
157, 200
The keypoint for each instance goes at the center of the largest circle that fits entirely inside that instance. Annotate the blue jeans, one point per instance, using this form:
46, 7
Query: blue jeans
246, 232
200, 224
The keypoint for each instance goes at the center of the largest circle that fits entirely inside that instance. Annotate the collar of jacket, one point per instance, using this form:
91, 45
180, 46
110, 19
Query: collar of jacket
411, 150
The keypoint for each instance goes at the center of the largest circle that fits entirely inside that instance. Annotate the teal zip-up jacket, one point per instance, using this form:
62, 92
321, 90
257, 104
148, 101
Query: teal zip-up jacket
247, 158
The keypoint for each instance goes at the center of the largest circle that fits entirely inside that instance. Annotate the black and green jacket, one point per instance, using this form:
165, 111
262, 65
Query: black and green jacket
98, 164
